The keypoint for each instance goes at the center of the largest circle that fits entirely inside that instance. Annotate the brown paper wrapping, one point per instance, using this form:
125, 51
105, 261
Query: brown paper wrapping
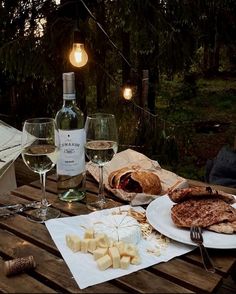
129, 158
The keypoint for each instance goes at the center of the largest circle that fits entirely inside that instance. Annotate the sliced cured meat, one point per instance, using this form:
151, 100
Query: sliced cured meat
179, 195
202, 212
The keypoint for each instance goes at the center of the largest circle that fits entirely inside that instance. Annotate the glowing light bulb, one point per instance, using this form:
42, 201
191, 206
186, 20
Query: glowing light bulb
78, 56
127, 93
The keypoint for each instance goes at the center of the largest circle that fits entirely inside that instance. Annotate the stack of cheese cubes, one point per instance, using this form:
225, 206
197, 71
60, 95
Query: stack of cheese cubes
106, 252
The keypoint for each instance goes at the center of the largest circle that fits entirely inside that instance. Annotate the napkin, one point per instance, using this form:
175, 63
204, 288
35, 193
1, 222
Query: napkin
82, 265
10, 146
129, 158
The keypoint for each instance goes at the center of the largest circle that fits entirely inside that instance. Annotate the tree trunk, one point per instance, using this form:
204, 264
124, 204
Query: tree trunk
126, 53
145, 88
100, 58
80, 90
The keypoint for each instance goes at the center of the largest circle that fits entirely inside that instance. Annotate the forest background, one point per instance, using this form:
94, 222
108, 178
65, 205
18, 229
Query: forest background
185, 112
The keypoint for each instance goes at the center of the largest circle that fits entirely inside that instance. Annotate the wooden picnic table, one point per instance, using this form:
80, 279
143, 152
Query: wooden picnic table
19, 237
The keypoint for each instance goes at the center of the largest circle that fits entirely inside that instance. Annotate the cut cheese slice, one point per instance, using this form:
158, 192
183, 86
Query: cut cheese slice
88, 234
124, 262
92, 245
115, 256
119, 228
84, 245
73, 242
104, 262
99, 252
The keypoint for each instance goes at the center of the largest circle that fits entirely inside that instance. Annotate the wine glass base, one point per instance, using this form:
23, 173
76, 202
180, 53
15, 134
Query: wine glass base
97, 205
43, 214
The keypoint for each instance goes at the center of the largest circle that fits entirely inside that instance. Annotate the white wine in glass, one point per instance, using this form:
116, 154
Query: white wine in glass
101, 145
39, 151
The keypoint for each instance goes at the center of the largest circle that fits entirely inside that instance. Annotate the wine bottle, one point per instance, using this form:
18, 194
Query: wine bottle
71, 162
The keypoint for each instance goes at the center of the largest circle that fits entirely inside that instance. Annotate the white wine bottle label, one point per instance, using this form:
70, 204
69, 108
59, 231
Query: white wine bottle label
71, 159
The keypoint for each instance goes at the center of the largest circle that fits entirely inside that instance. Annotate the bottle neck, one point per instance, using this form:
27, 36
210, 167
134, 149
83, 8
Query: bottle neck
69, 99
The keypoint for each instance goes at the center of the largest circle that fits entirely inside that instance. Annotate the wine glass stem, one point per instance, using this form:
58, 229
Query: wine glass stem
101, 186
44, 202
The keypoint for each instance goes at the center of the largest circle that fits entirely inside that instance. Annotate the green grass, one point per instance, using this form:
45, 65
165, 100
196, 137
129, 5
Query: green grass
178, 110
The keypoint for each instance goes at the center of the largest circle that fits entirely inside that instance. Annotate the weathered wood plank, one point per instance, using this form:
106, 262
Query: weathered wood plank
222, 264
147, 282
51, 269
75, 208
20, 226
30, 285
189, 275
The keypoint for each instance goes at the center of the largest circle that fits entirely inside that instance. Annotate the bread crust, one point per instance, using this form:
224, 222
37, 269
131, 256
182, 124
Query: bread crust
114, 177
149, 182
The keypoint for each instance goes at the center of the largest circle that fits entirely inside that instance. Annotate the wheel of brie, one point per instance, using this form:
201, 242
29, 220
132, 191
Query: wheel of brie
119, 228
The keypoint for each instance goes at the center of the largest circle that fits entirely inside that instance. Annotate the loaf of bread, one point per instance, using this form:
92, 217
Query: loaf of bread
135, 181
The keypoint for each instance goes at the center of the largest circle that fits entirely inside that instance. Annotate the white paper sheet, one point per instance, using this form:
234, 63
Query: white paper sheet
10, 145
82, 265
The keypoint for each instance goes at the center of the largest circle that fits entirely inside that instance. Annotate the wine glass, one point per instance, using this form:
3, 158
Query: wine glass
39, 144
101, 145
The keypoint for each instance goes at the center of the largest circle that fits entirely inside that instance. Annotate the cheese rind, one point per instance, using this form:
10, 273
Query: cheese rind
119, 228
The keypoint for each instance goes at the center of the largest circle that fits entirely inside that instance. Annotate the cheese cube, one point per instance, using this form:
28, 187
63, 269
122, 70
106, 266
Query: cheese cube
73, 242
89, 234
136, 260
92, 245
129, 250
120, 245
102, 240
111, 243
115, 256
99, 252
84, 245
104, 262
124, 262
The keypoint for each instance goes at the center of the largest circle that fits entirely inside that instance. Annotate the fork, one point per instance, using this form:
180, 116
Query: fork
196, 237
12, 209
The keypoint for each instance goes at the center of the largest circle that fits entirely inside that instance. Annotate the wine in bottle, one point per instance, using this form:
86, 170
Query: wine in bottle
71, 162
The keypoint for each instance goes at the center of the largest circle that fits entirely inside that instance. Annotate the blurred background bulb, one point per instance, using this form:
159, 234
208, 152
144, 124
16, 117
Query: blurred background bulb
78, 56
127, 93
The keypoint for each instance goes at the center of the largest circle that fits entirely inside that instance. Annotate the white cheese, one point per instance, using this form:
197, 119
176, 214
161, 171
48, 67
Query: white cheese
119, 228
104, 262
84, 245
88, 234
115, 256
124, 262
92, 245
73, 242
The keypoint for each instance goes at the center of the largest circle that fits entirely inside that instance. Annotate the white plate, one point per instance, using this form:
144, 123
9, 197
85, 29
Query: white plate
159, 216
